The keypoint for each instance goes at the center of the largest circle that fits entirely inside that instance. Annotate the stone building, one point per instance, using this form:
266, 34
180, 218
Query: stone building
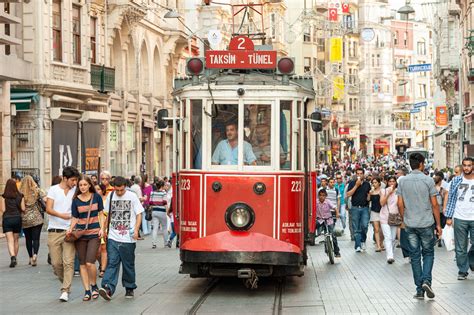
101, 69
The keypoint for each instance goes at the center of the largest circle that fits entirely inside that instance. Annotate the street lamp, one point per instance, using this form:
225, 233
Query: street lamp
406, 10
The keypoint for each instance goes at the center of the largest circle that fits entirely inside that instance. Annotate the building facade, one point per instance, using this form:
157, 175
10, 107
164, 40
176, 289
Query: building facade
100, 73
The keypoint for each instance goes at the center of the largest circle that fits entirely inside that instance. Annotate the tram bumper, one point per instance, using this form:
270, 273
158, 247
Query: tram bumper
228, 253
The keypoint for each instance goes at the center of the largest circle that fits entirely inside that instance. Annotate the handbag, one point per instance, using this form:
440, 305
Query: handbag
394, 219
148, 213
77, 234
41, 205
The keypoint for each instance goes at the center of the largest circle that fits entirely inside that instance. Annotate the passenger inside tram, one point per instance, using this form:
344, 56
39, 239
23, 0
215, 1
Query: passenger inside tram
226, 152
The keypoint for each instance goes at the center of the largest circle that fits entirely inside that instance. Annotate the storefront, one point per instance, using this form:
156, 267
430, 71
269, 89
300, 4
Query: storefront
381, 147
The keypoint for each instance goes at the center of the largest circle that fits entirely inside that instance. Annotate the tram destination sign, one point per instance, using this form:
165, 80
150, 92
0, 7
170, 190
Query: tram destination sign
420, 68
241, 55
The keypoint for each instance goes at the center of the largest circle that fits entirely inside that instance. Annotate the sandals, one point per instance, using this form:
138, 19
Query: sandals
87, 295
95, 292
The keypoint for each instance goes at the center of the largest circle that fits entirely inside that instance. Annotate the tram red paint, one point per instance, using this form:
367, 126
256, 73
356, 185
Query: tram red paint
239, 188
191, 206
291, 226
232, 241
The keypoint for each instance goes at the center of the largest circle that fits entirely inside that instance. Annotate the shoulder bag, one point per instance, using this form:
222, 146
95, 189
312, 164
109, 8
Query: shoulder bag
41, 204
77, 234
394, 219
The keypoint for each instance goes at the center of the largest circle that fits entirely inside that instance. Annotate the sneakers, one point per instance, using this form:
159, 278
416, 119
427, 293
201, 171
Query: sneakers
129, 294
105, 293
429, 291
64, 297
363, 247
390, 261
153, 246
338, 255
168, 244
358, 249
462, 275
77, 274
419, 295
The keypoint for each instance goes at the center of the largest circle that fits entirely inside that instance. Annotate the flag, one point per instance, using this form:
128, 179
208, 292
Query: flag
345, 7
335, 49
332, 14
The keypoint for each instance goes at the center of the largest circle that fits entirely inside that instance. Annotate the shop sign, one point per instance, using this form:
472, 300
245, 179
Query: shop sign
420, 68
441, 118
241, 55
344, 131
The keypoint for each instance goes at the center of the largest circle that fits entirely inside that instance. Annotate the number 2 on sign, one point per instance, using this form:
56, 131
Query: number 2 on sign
295, 186
241, 43
185, 184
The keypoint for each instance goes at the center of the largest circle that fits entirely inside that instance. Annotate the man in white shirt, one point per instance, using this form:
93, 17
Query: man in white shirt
460, 207
58, 207
124, 220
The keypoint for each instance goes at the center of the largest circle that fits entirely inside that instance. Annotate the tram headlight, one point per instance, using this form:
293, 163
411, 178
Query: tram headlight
239, 217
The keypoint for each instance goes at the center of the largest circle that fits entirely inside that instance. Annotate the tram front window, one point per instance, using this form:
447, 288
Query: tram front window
225, 138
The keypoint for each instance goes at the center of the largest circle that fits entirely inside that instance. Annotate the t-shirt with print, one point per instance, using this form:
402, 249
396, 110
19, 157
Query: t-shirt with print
62, 204
80, 210
123, 217
465, 201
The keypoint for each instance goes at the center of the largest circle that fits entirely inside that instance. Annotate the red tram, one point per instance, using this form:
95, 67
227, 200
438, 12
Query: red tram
245, 154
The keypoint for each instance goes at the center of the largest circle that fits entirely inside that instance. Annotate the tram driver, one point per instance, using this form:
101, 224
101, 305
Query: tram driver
226, 152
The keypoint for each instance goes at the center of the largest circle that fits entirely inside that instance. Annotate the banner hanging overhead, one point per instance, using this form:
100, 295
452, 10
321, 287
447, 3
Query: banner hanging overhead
338, 88
65, 138
441, 116
335, 49
91, 133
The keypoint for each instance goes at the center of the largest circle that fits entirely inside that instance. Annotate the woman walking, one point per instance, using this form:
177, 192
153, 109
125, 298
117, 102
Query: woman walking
159, 204
11, 222
388, 201
374, 198
32, 221
86, 215
147, 189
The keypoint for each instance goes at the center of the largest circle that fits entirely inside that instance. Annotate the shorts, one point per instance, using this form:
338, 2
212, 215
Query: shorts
11, 224
87, 250
374, 216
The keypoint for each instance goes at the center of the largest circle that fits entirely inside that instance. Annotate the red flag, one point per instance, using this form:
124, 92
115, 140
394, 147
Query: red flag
332, 14
345, 8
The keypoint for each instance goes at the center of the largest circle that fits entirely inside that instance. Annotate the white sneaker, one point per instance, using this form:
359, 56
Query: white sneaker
64, 297
358, 250
363, 247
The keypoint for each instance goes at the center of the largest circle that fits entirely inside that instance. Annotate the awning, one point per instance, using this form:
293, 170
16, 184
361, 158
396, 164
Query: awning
22, 99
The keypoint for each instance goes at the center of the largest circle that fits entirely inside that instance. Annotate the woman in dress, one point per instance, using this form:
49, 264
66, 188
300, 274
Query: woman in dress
11, 222
87, 200
375, 207
32, 221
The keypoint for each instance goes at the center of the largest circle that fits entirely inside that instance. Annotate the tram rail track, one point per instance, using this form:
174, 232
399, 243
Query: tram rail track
277, 300
203, 297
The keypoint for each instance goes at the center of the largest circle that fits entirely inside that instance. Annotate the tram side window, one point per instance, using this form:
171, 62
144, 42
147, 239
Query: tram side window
196, 134
257, 132
285, 135
225, 137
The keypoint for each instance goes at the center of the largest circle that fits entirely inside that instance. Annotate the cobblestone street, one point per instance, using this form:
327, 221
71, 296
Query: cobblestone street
357, 283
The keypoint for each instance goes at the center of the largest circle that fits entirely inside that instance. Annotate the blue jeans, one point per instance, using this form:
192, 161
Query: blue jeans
421, 242
462, 228
76, 263
321, 228
118, 252
360, 224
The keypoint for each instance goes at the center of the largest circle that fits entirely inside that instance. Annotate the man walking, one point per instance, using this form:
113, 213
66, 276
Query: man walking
125, 218
359, 190
58, 207
419, 209
461, 207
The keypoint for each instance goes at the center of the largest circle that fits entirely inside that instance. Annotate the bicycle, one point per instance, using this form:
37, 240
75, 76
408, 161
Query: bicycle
328, 241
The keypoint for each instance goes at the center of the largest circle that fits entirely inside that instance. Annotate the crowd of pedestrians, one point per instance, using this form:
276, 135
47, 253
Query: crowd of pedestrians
93, 225
407, 209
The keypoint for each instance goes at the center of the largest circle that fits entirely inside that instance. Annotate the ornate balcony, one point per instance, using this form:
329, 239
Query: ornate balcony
103, 78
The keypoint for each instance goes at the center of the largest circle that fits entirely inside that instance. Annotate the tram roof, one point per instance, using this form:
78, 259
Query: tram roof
252, 78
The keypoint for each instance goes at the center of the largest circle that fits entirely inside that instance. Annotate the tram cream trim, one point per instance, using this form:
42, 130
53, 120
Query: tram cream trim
238, 175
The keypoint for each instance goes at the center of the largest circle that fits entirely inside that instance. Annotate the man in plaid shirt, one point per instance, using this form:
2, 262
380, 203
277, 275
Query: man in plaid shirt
460, 207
